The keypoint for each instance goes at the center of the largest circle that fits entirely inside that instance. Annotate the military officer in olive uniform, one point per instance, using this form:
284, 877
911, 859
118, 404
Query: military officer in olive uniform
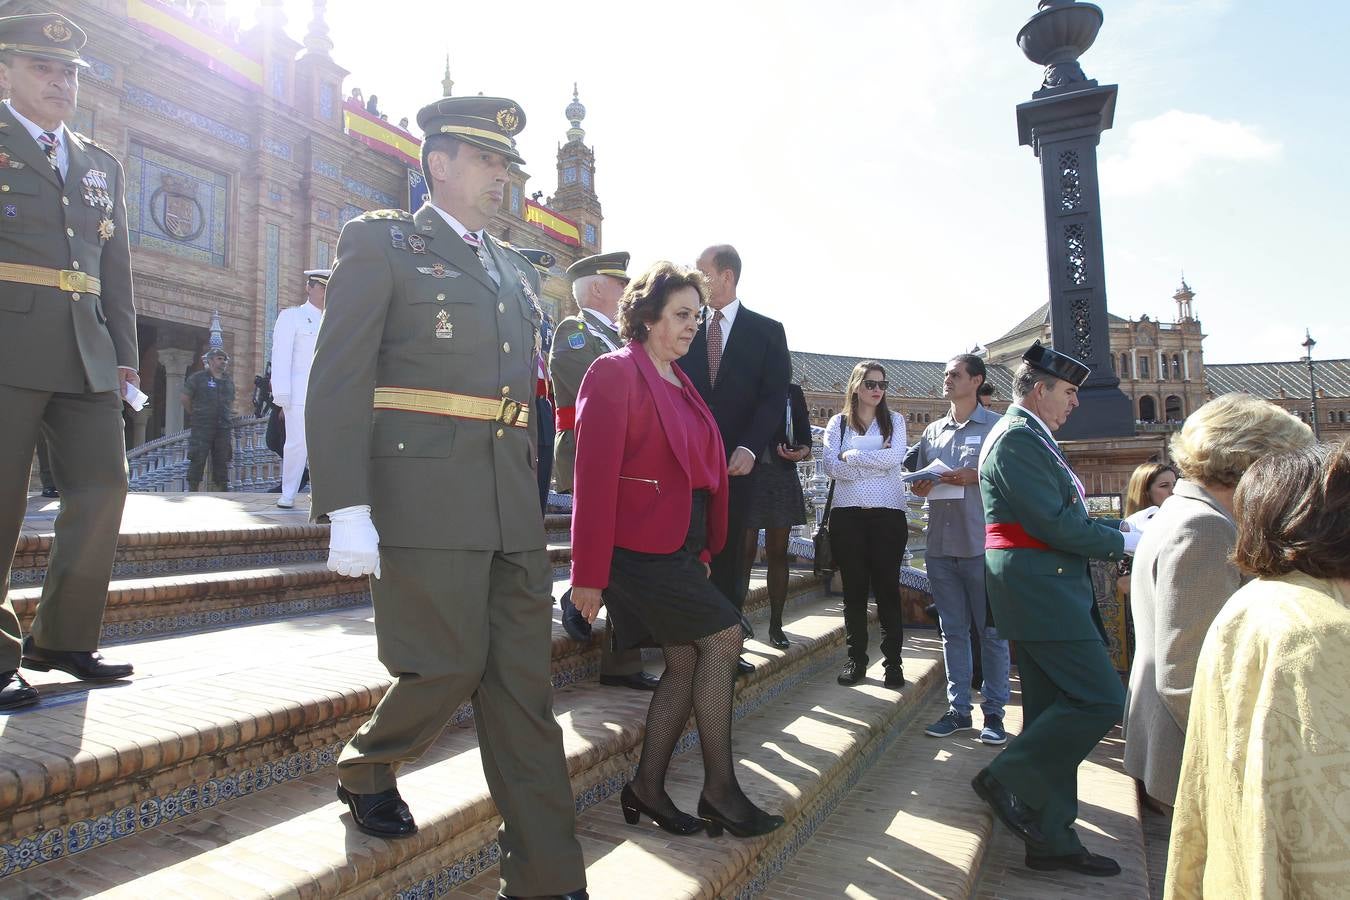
598, 283
67, 347
208, 400
422, 451
1038, 540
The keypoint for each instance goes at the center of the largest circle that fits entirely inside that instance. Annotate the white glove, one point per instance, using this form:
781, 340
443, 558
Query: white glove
1139, 521
1131, 541
353, 544
282, 400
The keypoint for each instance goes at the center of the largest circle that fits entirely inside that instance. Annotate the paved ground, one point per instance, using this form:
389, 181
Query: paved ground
147, 512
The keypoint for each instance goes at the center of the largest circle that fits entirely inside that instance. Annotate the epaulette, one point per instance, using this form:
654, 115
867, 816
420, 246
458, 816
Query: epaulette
400, 215
86, 139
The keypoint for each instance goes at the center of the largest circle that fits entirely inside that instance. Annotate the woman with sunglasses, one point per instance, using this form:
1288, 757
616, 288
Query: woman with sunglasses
865, 454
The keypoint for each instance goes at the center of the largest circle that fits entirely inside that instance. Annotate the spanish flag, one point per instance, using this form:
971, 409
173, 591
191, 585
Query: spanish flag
552, 224
379, 135
217, 52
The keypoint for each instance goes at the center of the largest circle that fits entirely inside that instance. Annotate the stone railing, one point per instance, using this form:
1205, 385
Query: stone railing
161, 465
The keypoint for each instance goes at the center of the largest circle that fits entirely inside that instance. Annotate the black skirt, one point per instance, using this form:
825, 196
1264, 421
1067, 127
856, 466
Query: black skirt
666, 599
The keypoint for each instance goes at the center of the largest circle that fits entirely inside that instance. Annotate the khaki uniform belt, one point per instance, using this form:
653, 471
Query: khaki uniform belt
461, 406
70, 280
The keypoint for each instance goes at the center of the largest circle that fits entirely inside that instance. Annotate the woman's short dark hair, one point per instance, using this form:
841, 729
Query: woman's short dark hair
645, 297
1293, 513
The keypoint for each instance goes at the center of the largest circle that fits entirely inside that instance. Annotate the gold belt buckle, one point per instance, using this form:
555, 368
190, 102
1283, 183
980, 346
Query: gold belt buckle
509, 411
72, 280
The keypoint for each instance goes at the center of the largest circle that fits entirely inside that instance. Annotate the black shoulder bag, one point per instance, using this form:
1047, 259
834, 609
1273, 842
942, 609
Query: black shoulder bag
824, 561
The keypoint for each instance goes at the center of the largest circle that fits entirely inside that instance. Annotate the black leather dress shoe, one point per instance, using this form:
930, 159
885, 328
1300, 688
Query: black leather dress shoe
574, 895
1010, 810
1082, 862
573, 622
86, 665
743, 667
638, 681
14, 691
382, 815
778, 640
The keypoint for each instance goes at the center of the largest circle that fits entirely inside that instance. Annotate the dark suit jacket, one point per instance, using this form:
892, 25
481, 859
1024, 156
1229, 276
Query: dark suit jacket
752, 381
632, 486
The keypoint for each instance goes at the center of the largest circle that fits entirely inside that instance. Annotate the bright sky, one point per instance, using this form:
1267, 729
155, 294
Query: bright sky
862, 155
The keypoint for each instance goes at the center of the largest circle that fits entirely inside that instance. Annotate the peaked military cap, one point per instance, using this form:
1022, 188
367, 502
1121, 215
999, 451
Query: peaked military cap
613, 264
488, 122
215, 351
319, 275
43, 34
1060, 365
540, 259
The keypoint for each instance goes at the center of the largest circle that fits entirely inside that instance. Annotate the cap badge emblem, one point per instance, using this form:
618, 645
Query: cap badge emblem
508, 120
57, 31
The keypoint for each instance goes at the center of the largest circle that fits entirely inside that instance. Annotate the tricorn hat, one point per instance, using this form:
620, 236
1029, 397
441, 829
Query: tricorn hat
488, 122
43, 34
615, 265
1060, 365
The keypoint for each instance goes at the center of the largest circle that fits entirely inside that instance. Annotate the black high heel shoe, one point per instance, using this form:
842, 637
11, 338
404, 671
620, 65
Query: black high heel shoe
634, 809
758, 824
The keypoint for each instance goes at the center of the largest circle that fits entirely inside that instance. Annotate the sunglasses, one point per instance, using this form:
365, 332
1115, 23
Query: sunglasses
875, 385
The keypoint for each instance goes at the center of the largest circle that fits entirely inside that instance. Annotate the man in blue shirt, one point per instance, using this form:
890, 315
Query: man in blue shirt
955, 554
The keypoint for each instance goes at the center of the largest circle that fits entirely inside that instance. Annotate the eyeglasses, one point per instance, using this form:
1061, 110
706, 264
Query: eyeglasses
875, 385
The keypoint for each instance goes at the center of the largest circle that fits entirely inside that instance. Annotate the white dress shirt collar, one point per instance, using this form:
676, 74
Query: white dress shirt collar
36, 130
311, 310
456, 224
1046, 428
728, 317
602, 318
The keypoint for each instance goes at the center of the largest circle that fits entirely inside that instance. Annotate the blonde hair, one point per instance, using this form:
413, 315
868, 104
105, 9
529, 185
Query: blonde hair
1221, 439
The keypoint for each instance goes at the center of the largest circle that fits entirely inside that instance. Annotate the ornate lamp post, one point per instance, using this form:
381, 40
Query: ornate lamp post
1309, 344
1062, 124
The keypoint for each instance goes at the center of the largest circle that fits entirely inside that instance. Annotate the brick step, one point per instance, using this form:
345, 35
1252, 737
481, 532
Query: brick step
282, 536
913, 827
798, 756
140, 608
209, 717
290, 838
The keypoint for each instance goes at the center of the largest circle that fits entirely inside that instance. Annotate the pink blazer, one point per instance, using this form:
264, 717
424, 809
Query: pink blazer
631, 487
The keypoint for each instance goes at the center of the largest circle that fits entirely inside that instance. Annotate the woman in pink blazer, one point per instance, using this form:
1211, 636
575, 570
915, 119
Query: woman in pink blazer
649, 509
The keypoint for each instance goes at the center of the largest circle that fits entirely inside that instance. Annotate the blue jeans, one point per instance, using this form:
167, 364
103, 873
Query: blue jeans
958, 590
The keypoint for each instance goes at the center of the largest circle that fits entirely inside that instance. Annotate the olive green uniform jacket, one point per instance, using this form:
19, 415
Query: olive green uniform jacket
410, 306
579, 341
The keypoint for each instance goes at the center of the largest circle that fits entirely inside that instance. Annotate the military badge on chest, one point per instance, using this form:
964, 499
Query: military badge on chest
445, 329
97, 195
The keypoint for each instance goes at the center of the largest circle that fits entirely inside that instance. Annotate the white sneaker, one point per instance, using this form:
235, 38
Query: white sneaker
285, 504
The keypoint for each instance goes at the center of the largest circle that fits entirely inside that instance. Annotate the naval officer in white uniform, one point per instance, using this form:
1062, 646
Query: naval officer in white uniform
293, 340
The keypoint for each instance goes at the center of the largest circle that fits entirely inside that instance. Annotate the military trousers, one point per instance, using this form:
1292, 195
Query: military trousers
454, 625
86, 449
213, 443
1071, 698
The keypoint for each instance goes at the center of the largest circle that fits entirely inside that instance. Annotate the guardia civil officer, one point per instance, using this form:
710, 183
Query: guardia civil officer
1038, 540
597, 285
67, 347
293, 340
431, 488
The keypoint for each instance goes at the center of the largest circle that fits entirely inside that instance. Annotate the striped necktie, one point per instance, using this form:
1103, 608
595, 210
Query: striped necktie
477, 246
49, 144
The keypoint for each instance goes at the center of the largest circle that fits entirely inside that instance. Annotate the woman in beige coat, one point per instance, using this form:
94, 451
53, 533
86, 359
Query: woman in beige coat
1182, 575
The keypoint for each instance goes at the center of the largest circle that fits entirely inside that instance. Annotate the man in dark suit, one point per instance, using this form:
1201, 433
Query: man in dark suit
739, 363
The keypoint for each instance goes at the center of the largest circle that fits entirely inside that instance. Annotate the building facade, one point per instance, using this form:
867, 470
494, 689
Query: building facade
241, 170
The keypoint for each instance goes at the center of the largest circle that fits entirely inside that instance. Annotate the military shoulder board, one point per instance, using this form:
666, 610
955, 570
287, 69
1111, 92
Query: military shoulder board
399, 214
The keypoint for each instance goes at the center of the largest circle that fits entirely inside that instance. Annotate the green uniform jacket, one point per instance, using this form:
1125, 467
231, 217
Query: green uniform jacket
410, 306
1041, 595
49, 339
576, 344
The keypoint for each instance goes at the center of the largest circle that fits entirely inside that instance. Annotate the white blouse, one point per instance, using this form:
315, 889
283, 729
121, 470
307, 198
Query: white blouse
869, 476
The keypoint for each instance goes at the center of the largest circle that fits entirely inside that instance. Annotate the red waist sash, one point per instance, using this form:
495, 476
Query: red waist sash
1010, 536
565, 418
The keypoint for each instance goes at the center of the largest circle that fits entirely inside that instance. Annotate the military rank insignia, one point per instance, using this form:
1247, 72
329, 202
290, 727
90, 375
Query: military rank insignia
445, 329
106, 229
396, 238
417, 243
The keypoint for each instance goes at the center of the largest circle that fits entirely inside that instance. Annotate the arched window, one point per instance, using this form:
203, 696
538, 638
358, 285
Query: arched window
1143, 367
1148, 410
1342, 417
1162, 366
1125, 365
1173, 408
1176, 367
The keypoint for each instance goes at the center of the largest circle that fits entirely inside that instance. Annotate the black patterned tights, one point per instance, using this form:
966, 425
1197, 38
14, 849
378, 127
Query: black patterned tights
700, 676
